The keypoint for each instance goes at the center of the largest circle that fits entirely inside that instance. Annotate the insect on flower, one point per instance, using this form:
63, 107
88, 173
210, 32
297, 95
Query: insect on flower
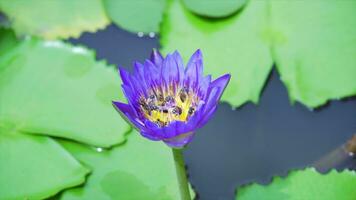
167, 101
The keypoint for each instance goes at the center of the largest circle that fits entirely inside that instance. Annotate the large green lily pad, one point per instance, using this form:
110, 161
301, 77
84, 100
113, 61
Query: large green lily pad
55, 18
304, 184
35, 167
138, 169
52, 88
316, 52
136, 15
237, 45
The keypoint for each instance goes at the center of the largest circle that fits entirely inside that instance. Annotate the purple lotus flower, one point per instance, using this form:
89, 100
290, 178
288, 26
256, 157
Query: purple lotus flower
167, 102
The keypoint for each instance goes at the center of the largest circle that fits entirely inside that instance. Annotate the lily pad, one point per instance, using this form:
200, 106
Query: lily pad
53, 88
55, 19
35, 167
316, 51
138, 169
305, 184
237, 45
214, 8
136, 15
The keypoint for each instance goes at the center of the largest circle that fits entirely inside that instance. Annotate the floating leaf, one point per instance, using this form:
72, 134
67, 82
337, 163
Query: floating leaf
305, 184
236, 45
35, 167
55, 89
315, 51
214, 8
55, 19
136, 15
138, 169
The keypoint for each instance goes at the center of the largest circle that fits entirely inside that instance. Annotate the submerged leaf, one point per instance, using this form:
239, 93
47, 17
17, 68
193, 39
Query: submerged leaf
35, 167
214, 8
55, 19
236, 45
138, 169
305, 184
52, 88
136, 15
315, 51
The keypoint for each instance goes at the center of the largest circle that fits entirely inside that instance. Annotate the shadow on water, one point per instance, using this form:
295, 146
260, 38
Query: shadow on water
256, 142
117, 46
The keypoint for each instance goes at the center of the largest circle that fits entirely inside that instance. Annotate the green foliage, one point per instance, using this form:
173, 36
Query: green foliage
314, 51
52, 88
138, 169
136, 15
235, 45
7, 40
35, 167
54, 18
304, 184
214, 8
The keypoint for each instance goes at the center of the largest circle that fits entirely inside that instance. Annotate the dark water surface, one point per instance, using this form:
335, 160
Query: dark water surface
252, 143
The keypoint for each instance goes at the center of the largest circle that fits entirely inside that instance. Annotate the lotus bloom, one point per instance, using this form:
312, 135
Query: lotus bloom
167, 101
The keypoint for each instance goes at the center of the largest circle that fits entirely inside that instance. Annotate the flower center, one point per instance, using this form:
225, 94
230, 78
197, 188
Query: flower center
163, 107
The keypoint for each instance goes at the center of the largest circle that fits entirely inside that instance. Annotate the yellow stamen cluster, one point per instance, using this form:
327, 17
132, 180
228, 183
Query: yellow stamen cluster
169, 105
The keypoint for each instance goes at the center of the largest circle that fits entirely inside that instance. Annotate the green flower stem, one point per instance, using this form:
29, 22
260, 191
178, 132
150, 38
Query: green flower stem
181, 174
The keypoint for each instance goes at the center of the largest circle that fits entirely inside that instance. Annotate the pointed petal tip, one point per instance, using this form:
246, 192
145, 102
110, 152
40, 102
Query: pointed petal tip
120, 106
177, 55
223, 80
136, 63
122, 70
124, 74
227, 77
198, 53
156, 57
176, 52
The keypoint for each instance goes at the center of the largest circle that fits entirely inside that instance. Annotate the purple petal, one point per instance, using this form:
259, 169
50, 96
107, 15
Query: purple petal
131, 81
153, 130
179, 62
221, 83
215, 90
156, 58
128, 113
173, 135
204, 86
151, 73
179, 141
206, 117
169, 71
209, 107
194, 70
212, 99
149, 135
139, 73
125, 76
